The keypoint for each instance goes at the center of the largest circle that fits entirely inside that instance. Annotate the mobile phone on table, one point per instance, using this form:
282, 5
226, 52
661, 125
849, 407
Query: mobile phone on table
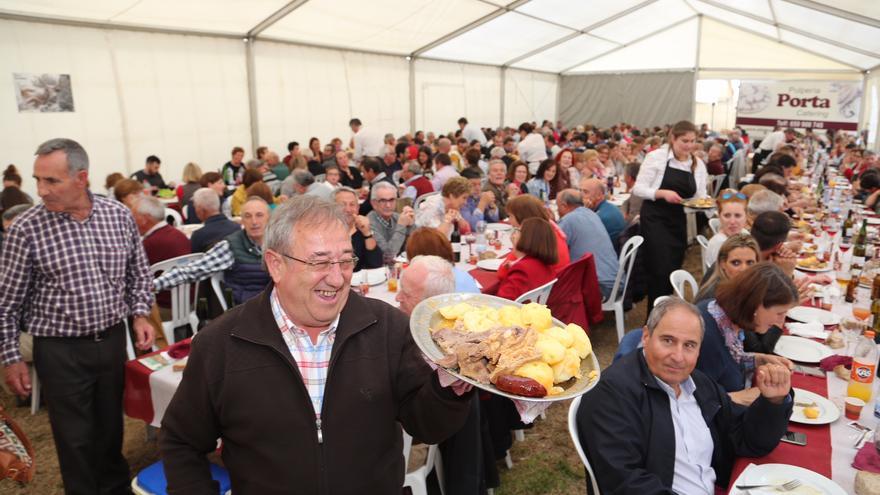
794, 437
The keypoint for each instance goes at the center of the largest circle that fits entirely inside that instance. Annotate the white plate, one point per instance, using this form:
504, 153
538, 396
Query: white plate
801, 349
815, 270
491, 264
813, 483
500, 227
828, 412
806, 314
375, 276
873, 221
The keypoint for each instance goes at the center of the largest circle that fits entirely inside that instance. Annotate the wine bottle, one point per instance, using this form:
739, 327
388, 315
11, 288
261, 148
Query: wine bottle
455, 239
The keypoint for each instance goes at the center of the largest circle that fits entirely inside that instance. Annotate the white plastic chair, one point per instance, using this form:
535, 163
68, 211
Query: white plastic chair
182, 312
178, 220
320, 177
715, 225
624, 269
539, 295
576, 440
216, 278
421, 199
416, 480
660, 299
704, 246
681, 278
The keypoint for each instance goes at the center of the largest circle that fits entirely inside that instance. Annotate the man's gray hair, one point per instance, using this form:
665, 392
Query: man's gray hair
151, 207
253, 163
497, 152
382, 186
413, 167
667, 305
571, 197
303, 177
77, 158
344, 189
312, 210
206, 198
439, 279
764, 201
493, 161
9, 214
444, 141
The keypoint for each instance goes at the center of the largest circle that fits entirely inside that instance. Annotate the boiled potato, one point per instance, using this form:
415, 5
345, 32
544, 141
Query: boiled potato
568, 367
539, 371
580, 341
536, 316
510, 316
551, 350
560, 335
455, 311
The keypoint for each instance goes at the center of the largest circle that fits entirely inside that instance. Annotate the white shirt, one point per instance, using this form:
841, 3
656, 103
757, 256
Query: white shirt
772, 141
431, 212
693, 442
368, 143
471, 132
715, 246
654, 167
532, 151
443, 175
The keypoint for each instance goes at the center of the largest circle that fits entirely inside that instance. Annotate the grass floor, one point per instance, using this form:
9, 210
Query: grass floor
545, 463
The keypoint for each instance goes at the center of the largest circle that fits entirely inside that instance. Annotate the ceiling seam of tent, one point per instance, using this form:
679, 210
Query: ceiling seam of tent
640, 38
275, 17
123, 11
782, 42
799, 71
787, 27
775, 20
843, 14
63, 21
584, 31
468, 27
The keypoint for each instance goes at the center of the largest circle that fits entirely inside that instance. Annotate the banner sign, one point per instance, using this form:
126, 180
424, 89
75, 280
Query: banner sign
800, 104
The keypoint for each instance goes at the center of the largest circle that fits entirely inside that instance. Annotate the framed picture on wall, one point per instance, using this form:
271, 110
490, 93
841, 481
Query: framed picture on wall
43, 92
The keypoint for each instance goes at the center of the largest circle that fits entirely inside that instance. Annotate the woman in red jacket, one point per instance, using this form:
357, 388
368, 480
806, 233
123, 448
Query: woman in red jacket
525, 206
534, 255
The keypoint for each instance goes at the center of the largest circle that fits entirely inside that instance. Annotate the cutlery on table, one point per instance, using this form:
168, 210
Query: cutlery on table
787, 486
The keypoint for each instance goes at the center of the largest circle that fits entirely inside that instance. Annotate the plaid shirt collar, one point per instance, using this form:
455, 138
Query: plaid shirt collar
289, 328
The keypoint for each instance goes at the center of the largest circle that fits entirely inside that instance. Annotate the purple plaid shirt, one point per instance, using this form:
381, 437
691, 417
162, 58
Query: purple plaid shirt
63, 278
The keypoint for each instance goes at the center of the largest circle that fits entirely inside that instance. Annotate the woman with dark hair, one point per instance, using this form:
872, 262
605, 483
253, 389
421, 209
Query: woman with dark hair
518, 174
534, 253
317, 159
426, 241
539, 185
526, 206
12, 194
753, 301
566, 175
668, 175
239, 197
424, 159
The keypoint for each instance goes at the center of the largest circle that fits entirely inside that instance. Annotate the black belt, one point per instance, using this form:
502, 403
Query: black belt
95, 337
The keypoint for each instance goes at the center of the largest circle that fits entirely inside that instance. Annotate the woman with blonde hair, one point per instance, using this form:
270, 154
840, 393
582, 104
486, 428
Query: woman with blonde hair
736, 254
192, 173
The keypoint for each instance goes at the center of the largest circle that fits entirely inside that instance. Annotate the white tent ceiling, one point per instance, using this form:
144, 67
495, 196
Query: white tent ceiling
557, 36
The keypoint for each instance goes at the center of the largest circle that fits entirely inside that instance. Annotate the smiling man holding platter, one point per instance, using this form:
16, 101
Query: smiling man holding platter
307, 384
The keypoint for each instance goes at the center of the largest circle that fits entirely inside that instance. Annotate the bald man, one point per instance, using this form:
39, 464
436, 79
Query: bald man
594, 192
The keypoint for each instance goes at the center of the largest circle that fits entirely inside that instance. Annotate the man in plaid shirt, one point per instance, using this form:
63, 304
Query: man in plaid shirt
71, 271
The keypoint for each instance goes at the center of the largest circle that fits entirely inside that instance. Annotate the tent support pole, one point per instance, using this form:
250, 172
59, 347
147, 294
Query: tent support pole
412, 95
252, 93
697, 67
558, 98
503, 90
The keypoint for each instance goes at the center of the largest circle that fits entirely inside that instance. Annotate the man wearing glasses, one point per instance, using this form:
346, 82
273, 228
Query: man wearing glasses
307, 385
390, 229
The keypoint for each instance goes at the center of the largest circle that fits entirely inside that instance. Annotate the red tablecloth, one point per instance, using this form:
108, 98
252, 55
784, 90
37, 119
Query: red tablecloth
138, 401
487, 279
816, 455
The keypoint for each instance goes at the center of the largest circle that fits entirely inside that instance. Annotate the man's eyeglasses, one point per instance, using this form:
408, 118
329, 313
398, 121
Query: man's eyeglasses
729, 195
345, 265
386, 201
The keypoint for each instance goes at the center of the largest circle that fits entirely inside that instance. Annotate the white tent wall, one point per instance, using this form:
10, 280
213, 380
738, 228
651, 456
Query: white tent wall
871, 110
529, 97
183, 98
445, 91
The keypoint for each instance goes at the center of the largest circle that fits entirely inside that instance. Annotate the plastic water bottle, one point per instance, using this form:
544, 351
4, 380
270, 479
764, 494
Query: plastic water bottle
864, 368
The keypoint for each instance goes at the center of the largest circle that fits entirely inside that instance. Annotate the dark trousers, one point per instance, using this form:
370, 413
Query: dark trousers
82, 382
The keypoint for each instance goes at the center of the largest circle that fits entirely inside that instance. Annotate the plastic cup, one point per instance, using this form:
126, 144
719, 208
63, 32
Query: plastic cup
853, 407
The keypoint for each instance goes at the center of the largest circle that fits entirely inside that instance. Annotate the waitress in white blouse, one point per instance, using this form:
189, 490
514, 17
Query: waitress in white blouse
668, 176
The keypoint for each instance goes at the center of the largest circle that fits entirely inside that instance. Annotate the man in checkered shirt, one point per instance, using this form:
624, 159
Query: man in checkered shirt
71, 271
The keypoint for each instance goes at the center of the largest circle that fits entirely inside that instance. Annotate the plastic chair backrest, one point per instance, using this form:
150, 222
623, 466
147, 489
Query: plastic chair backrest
681, 278
216, 278
704, 246
716, 185
715, 225
320, 177
181, 295
538, 295
576, 440
626, 260
174, 214
421, 199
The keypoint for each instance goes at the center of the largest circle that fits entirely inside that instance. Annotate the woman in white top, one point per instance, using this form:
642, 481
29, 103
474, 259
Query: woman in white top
732, 215
668, 175
531, 148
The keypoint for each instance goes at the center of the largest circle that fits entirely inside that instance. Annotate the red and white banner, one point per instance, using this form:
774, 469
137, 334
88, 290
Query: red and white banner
800, 104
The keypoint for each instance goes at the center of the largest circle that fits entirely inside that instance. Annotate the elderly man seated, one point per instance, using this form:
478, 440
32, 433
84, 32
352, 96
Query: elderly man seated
414, 183
390, 229
366, 249
594, 192
161, 241
239, 256
480, 205
654, 424
216, 226
303, 182
584, 233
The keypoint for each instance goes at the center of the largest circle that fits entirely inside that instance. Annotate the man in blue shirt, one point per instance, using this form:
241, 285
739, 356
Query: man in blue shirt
480, 205
594, 198
585, 233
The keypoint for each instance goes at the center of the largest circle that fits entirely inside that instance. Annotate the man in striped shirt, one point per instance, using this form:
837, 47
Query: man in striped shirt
71, 271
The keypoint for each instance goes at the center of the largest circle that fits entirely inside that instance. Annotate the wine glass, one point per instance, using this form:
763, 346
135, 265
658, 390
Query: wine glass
470, 239
861, 309
481, 227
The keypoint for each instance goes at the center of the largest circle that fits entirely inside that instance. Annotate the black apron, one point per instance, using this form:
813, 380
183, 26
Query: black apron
664, 226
